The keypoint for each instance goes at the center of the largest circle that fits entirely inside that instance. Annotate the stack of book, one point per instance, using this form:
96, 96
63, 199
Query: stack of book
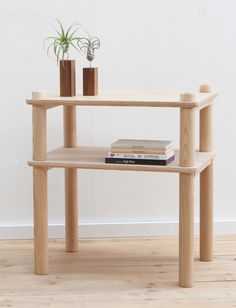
141, 152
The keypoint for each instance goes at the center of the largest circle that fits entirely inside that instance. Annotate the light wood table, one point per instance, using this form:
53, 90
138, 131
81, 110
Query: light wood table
188, 164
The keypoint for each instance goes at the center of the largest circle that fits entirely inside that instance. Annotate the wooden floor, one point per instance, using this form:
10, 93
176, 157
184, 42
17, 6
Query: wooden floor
114, 273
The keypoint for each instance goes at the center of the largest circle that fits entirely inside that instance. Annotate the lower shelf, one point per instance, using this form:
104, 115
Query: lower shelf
93, 158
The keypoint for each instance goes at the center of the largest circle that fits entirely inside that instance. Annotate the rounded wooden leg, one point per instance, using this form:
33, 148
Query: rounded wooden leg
206, 181
71, 206
187, 137
40, 221
206, 214
186, 198
39, 133
71, 210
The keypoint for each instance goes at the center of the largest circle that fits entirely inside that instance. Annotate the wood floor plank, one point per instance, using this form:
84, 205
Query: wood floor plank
50, 301
127, 272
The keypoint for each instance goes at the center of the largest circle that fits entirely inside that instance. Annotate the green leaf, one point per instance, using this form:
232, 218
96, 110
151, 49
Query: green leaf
62, 29
49, 48
60, 35
72, 44
58, 54
64, 39
55, 47
71, 27
72, 34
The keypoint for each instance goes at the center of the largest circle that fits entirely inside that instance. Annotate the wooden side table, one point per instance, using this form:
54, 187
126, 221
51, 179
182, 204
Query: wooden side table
188, 164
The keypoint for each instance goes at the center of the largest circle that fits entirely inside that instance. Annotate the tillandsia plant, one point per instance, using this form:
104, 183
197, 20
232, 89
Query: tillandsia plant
64, 40
89, 44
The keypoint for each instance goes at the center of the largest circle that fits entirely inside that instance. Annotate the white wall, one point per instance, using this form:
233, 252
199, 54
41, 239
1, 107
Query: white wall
146, 44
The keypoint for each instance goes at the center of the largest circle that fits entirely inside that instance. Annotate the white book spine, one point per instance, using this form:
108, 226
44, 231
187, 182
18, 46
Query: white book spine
141, 156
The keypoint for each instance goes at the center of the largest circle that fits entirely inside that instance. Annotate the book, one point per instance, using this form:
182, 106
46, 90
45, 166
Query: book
141, 151
142, 144
126, 161
141, 156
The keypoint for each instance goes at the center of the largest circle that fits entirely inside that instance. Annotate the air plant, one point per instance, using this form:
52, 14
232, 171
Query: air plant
89, 44
65, 39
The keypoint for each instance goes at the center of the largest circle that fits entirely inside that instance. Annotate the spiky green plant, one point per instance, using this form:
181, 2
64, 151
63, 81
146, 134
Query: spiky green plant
89, 44
65, 39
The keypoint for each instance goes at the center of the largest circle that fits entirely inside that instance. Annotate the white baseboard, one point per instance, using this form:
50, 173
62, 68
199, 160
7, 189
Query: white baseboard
113, 229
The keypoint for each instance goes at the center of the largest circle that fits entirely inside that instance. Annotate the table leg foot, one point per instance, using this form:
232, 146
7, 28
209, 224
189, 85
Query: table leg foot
40, 221
71, 210
206, 214
186, 195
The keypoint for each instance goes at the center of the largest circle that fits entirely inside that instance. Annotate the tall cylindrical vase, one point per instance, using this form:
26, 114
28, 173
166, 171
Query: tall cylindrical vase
67, 78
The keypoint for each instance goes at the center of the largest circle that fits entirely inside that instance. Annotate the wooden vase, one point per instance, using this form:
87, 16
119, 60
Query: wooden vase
90, 81
67, 78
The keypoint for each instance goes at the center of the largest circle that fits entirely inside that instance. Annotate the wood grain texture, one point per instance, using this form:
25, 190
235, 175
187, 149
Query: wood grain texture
71, 202
188, 163
187, 137
90, 81
94, 158
206, 88
206, 182
71, 209
186, 216
40, 221
187, 97
39, 94
70, 129
206, 129
206, 214
39, 124
128, 99
116, 272
67, 78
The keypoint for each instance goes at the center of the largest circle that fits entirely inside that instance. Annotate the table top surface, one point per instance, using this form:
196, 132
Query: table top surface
84, 157
129, 99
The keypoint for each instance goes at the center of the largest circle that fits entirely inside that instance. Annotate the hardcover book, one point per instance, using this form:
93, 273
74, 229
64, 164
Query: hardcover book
126, 161
142, 144
141, 156
142, 151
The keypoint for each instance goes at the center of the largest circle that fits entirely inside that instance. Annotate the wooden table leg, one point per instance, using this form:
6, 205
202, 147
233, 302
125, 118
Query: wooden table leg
39, 122
71, 210
206, 214
206, 181
71, 206
40, 221
186, 193
186, 201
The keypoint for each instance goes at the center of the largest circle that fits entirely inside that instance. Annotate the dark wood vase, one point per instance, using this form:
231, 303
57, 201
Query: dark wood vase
67, 78
90, 81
